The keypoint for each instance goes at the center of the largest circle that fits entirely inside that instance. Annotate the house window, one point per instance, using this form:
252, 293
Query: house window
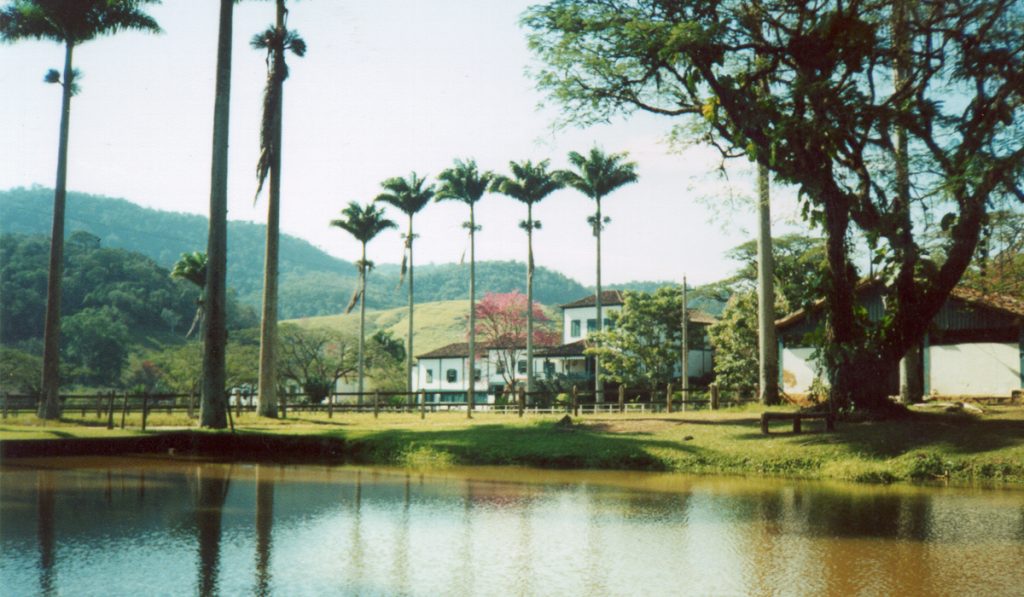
452, 375
574, 328
430, 375
608, 325
476, 374
521, 367
499, 367
549, 368
591, 325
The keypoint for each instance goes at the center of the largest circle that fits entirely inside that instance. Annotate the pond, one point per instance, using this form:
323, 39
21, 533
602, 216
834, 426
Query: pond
162, 526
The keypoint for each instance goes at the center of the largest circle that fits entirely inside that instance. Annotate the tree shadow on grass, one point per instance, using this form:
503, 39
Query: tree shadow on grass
543, 445
956, 433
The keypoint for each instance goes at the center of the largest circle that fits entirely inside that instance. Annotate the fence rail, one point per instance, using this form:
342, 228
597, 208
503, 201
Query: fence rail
114, 408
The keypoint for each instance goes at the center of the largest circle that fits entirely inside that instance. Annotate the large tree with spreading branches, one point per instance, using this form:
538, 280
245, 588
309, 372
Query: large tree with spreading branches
889, 117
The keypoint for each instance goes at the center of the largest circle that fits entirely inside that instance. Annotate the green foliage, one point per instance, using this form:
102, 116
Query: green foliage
734, 337
20, 371
95, 344
643, 348
315, 359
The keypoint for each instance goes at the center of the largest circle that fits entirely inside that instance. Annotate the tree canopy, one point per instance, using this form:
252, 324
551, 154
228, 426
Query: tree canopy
820, 92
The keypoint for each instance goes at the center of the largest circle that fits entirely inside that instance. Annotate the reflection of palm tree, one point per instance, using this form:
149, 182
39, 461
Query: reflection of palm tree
275, 40
192, 267
213, 405
264, 527
462, 182
410, 196
70, 23
529, 183
211, 493
46, 511
364, 223
598, 174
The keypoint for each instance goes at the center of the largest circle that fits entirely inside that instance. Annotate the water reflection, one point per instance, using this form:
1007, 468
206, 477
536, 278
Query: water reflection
208, 529
264, 526
211, 491
45, 500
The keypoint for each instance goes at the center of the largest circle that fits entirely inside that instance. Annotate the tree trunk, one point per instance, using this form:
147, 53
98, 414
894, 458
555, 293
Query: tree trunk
529, 298
408, 355
598, 382
213, 405
268, 326
362, 322
49, 402
472, 304
767, 348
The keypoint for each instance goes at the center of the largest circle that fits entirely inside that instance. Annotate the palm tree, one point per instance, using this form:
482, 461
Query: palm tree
463, 182
70, 23
529, 183
275, 40
212, 404
193, 267
364, 223
597, 175
410, 196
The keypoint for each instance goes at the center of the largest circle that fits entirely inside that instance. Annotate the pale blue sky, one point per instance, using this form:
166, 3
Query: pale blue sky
386, 87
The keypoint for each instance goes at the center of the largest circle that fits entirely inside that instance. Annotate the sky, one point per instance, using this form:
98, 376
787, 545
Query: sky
387, 87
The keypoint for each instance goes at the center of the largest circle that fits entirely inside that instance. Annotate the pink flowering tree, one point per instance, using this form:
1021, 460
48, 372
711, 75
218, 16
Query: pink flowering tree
501, 322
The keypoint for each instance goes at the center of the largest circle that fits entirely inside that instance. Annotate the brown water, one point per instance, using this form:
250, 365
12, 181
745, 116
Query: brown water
119, 526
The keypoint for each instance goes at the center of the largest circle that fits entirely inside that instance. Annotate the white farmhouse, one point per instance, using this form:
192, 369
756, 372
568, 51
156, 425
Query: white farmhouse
443, 374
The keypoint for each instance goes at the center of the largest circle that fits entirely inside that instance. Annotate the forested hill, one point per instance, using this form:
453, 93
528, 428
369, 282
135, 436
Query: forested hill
312, 282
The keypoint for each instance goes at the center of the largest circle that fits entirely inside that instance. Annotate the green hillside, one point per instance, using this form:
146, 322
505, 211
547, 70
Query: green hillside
312, 282
436, 324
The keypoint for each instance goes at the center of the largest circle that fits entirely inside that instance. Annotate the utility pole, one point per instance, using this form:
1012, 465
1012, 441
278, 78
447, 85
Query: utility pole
684, 374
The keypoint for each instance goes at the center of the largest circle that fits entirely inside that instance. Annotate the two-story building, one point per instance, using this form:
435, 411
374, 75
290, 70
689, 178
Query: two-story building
443, 373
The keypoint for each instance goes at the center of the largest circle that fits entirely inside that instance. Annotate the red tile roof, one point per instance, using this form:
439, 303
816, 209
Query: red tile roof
608, 297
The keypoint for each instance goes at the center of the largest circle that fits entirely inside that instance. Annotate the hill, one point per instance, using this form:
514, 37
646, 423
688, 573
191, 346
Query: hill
312, 282
436, 324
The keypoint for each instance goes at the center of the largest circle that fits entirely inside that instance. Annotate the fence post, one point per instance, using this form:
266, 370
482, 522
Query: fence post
238, 404
284, 405
330, 405
575, 402
522, 401
5, 405
668, 398
714, 396
376, 403
622, 398
124, 409
110, 410
192, 403
423, 404
99, 406
145, 409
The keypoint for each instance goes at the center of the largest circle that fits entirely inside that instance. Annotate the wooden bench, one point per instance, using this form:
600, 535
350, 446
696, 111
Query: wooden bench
830, 420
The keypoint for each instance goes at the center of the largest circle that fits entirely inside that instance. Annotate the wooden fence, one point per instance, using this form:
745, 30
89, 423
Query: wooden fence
113, 408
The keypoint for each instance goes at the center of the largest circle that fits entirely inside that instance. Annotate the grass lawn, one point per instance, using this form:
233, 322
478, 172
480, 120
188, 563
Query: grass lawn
925, 446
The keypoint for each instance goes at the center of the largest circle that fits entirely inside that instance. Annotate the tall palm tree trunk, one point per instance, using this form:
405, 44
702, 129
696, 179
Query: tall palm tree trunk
529, 298
362, 322
472, 312
268, 326
408, 354
598, 382
49, 404
767, 345
213, 403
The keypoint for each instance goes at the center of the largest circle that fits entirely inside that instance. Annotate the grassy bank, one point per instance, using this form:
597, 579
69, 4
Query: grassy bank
925, 446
